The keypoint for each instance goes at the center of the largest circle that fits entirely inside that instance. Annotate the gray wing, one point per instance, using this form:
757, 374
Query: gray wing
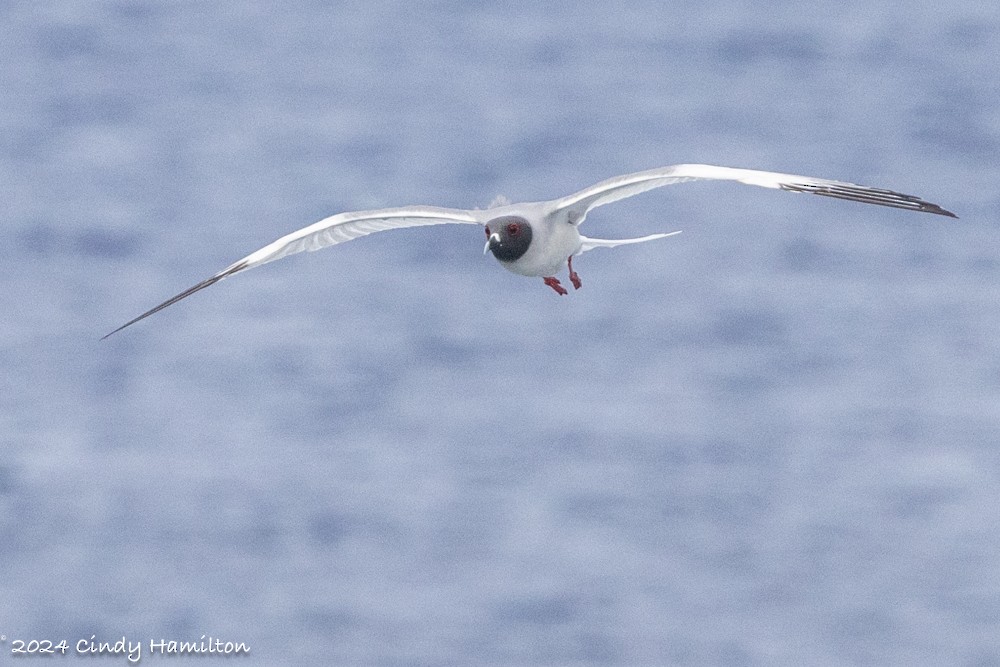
330, 231
576, 205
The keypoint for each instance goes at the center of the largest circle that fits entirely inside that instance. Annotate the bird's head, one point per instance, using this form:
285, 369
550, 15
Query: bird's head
508, 237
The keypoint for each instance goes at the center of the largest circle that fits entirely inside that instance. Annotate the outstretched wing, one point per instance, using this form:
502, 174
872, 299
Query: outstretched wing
327, 232
576, 205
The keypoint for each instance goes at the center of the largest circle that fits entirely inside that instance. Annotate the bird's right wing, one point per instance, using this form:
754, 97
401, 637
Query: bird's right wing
327, 232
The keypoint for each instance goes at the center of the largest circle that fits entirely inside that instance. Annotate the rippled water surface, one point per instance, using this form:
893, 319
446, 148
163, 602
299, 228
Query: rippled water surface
770, 440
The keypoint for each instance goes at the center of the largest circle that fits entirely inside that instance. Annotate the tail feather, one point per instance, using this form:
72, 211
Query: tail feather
590, 244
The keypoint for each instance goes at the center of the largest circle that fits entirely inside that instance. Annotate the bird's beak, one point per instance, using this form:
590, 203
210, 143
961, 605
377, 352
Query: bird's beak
493, 240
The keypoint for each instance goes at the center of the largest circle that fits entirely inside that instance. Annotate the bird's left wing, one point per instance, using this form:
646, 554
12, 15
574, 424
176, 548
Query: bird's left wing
327, 232
619, 187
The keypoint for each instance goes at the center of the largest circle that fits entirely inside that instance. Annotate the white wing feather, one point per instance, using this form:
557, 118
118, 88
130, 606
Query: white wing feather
613, 189
345, 227
327, 232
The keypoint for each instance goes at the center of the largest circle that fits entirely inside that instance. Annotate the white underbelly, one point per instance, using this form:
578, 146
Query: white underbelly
547, 254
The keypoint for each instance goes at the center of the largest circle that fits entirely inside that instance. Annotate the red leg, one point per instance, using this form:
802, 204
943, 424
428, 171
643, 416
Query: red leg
556, 285
574, 277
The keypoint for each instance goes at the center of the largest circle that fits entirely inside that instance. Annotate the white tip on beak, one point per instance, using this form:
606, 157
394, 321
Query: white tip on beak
493, 237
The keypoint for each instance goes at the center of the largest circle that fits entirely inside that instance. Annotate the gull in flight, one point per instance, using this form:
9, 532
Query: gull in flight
537, 238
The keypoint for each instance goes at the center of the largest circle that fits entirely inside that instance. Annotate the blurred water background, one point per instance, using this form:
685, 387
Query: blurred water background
771, 440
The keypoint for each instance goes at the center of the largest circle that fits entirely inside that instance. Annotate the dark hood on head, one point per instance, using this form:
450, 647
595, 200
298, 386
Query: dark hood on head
509, 237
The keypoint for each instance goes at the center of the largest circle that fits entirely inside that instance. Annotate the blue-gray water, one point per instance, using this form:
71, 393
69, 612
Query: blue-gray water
771, 440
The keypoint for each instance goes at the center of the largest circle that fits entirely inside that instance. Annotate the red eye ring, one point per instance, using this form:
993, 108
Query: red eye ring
513, 229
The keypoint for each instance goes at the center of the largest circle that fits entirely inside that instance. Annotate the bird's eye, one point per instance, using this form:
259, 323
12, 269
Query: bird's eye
513, 229
487, 231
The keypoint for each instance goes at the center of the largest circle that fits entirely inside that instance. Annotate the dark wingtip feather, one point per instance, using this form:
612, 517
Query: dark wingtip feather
865, 195
186, 293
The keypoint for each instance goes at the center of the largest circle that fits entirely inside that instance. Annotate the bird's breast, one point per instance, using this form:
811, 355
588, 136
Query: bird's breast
551, 246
